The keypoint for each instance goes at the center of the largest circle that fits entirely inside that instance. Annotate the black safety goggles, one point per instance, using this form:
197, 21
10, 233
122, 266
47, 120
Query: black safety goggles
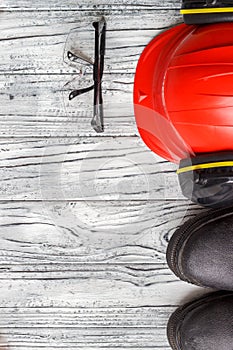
98, 70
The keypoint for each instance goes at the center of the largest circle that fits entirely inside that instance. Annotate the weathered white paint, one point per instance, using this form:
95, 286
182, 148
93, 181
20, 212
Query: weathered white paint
84, 218
91, 5
63, 232
91, 168
36, 43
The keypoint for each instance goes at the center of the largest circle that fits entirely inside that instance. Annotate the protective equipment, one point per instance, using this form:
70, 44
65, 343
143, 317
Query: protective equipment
200, 250
205, 323
183, 100
207, 11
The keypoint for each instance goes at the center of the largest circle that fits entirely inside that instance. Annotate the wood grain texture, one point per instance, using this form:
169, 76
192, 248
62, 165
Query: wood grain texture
89, 328
53, 256
91, 291
38, 106
97, 5
91, 168
34, 42
84, 328
93, 232
36, 79
84, 220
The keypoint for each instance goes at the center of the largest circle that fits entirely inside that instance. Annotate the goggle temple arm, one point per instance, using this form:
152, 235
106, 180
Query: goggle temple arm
98, 69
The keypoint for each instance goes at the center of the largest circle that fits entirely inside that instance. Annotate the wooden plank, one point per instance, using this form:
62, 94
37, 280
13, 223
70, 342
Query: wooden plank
84, 327
88, 273
50, 257
34, 105
139, 324
93, 292
95, 328
92, 168
53, 255
98, 5
34, 42
64, 287
79, 318
61, 236
85, 339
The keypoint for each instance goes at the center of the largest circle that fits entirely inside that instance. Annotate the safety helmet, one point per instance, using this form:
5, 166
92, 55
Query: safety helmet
207, 11
183, 100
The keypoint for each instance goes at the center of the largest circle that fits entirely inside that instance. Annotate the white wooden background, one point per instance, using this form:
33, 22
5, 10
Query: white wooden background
84, 218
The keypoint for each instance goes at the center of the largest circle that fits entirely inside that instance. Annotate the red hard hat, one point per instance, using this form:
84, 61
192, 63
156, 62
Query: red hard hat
183, 99
184, 87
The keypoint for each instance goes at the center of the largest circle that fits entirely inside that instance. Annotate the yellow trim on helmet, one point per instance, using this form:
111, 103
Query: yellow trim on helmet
204, 166
206, 10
